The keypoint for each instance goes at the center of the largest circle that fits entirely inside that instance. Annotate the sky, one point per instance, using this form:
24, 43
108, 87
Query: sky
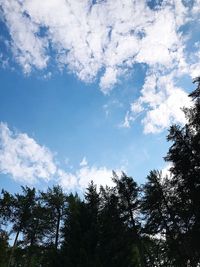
89, 86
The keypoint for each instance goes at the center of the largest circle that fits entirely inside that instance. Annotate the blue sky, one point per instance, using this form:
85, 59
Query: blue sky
88, 87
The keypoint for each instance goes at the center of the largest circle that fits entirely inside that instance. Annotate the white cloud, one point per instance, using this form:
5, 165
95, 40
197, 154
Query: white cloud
3, 61
127, 120
160, 102
109, 79
88, 38
81, 178
24, 159
104, 40
166, 171
27, 47
83, 162
67, 180
100, 176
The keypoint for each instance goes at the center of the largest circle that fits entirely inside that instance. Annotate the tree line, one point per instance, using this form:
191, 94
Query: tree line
127, 225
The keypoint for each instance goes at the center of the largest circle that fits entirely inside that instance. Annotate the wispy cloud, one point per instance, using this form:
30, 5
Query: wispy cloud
83, 162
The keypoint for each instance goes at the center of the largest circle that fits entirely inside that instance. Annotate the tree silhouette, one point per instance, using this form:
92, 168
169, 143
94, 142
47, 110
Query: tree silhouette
127, 191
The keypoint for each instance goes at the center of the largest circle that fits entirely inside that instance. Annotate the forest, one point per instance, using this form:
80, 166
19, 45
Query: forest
127, 225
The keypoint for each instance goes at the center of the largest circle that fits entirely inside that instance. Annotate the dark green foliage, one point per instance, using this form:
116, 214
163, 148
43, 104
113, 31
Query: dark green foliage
115, 241
127, 191
4, 249
54, 200
73, 249
185, 157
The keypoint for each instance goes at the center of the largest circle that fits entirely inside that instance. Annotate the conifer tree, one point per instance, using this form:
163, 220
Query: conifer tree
116, 247
91, 234
127, 191
73, 250
184, 154
54, 200
21, 213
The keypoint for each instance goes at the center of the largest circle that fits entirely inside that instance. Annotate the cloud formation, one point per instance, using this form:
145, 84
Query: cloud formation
26, 161
84, 175
88, 37
161, 103
104, 39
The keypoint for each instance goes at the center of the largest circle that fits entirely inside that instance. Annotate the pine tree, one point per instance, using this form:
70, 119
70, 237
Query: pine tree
91, 234
54, 200
4, 248
21, 206
116, 247
157, 206
72, 250
184, 154
127, 191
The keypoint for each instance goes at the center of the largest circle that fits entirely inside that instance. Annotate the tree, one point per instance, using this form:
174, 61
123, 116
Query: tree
6, 208
73, 249
184, 154
4, 248
127, 191
35, 232
116, 248
54, 200
91, 233
157, 206
21, 210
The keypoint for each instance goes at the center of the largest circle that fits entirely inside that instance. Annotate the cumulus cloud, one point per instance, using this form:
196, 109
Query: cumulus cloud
104, 39
160, 103
100, 176
23, 158
84, 175
26, 161
27, 47
90, 37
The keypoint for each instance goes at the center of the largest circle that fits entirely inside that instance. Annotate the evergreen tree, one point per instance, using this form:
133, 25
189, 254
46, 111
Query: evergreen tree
157, 207
73, 249
184, 154
54, 203
116, 247
54, 200
91, 234
4, 248
21, 213
35, 232
127, 191
6, 208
